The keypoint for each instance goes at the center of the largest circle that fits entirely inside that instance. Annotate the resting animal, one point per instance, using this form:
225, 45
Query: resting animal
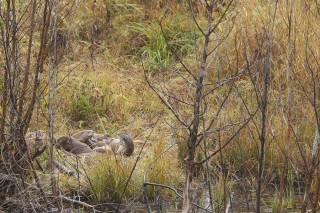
99, 140
73, 145
127, 144
122, 145
84, 136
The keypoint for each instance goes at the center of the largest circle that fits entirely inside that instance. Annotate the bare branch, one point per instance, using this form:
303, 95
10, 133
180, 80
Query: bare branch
166, 103
227, 142
174, 190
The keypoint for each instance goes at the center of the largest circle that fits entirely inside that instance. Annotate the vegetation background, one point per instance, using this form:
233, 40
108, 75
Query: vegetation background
117, 65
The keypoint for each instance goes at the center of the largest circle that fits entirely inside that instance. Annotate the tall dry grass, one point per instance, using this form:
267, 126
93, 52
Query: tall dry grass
107, 91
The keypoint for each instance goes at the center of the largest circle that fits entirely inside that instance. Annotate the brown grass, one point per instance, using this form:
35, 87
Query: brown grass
119, 100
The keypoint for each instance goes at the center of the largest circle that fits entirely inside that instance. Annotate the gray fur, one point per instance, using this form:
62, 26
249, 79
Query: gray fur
73, 145
84, 136
128, 144
122, 145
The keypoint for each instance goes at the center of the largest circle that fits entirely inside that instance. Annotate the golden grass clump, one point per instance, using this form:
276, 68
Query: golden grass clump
163, 168
108, 92
106, 98
108, 177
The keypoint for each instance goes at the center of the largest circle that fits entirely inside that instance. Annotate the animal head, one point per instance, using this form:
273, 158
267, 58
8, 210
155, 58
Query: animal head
83, 135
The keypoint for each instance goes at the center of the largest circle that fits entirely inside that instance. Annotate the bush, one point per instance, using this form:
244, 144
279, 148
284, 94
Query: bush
108, 179
159, 46
85, 102
162, 169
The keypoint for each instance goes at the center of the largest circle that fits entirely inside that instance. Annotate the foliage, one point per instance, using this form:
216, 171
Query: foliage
82, 102
103, 88
161, 169
107, 179
159, 45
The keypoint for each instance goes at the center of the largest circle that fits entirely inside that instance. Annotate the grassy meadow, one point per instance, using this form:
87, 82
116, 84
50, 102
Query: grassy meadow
108, 48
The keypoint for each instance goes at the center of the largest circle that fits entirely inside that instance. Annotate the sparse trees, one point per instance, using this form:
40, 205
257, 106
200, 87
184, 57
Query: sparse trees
26, 33
311, 91
22, 74
239, 91
200, 114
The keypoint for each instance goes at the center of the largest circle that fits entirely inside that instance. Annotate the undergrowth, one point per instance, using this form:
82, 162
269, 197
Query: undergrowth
108, 177
107, 92
163, 43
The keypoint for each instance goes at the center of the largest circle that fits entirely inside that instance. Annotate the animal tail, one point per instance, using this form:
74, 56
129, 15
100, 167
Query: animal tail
129, 143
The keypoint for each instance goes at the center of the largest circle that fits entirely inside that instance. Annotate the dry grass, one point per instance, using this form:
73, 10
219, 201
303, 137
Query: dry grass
109, 94
108, 177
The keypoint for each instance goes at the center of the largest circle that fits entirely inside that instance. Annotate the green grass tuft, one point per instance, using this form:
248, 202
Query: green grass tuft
158, 46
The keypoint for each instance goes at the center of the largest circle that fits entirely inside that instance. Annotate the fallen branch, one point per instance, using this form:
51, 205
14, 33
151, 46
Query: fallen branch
17, 204
64, 169
18, 181
5, 177
175, 191
77, 202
